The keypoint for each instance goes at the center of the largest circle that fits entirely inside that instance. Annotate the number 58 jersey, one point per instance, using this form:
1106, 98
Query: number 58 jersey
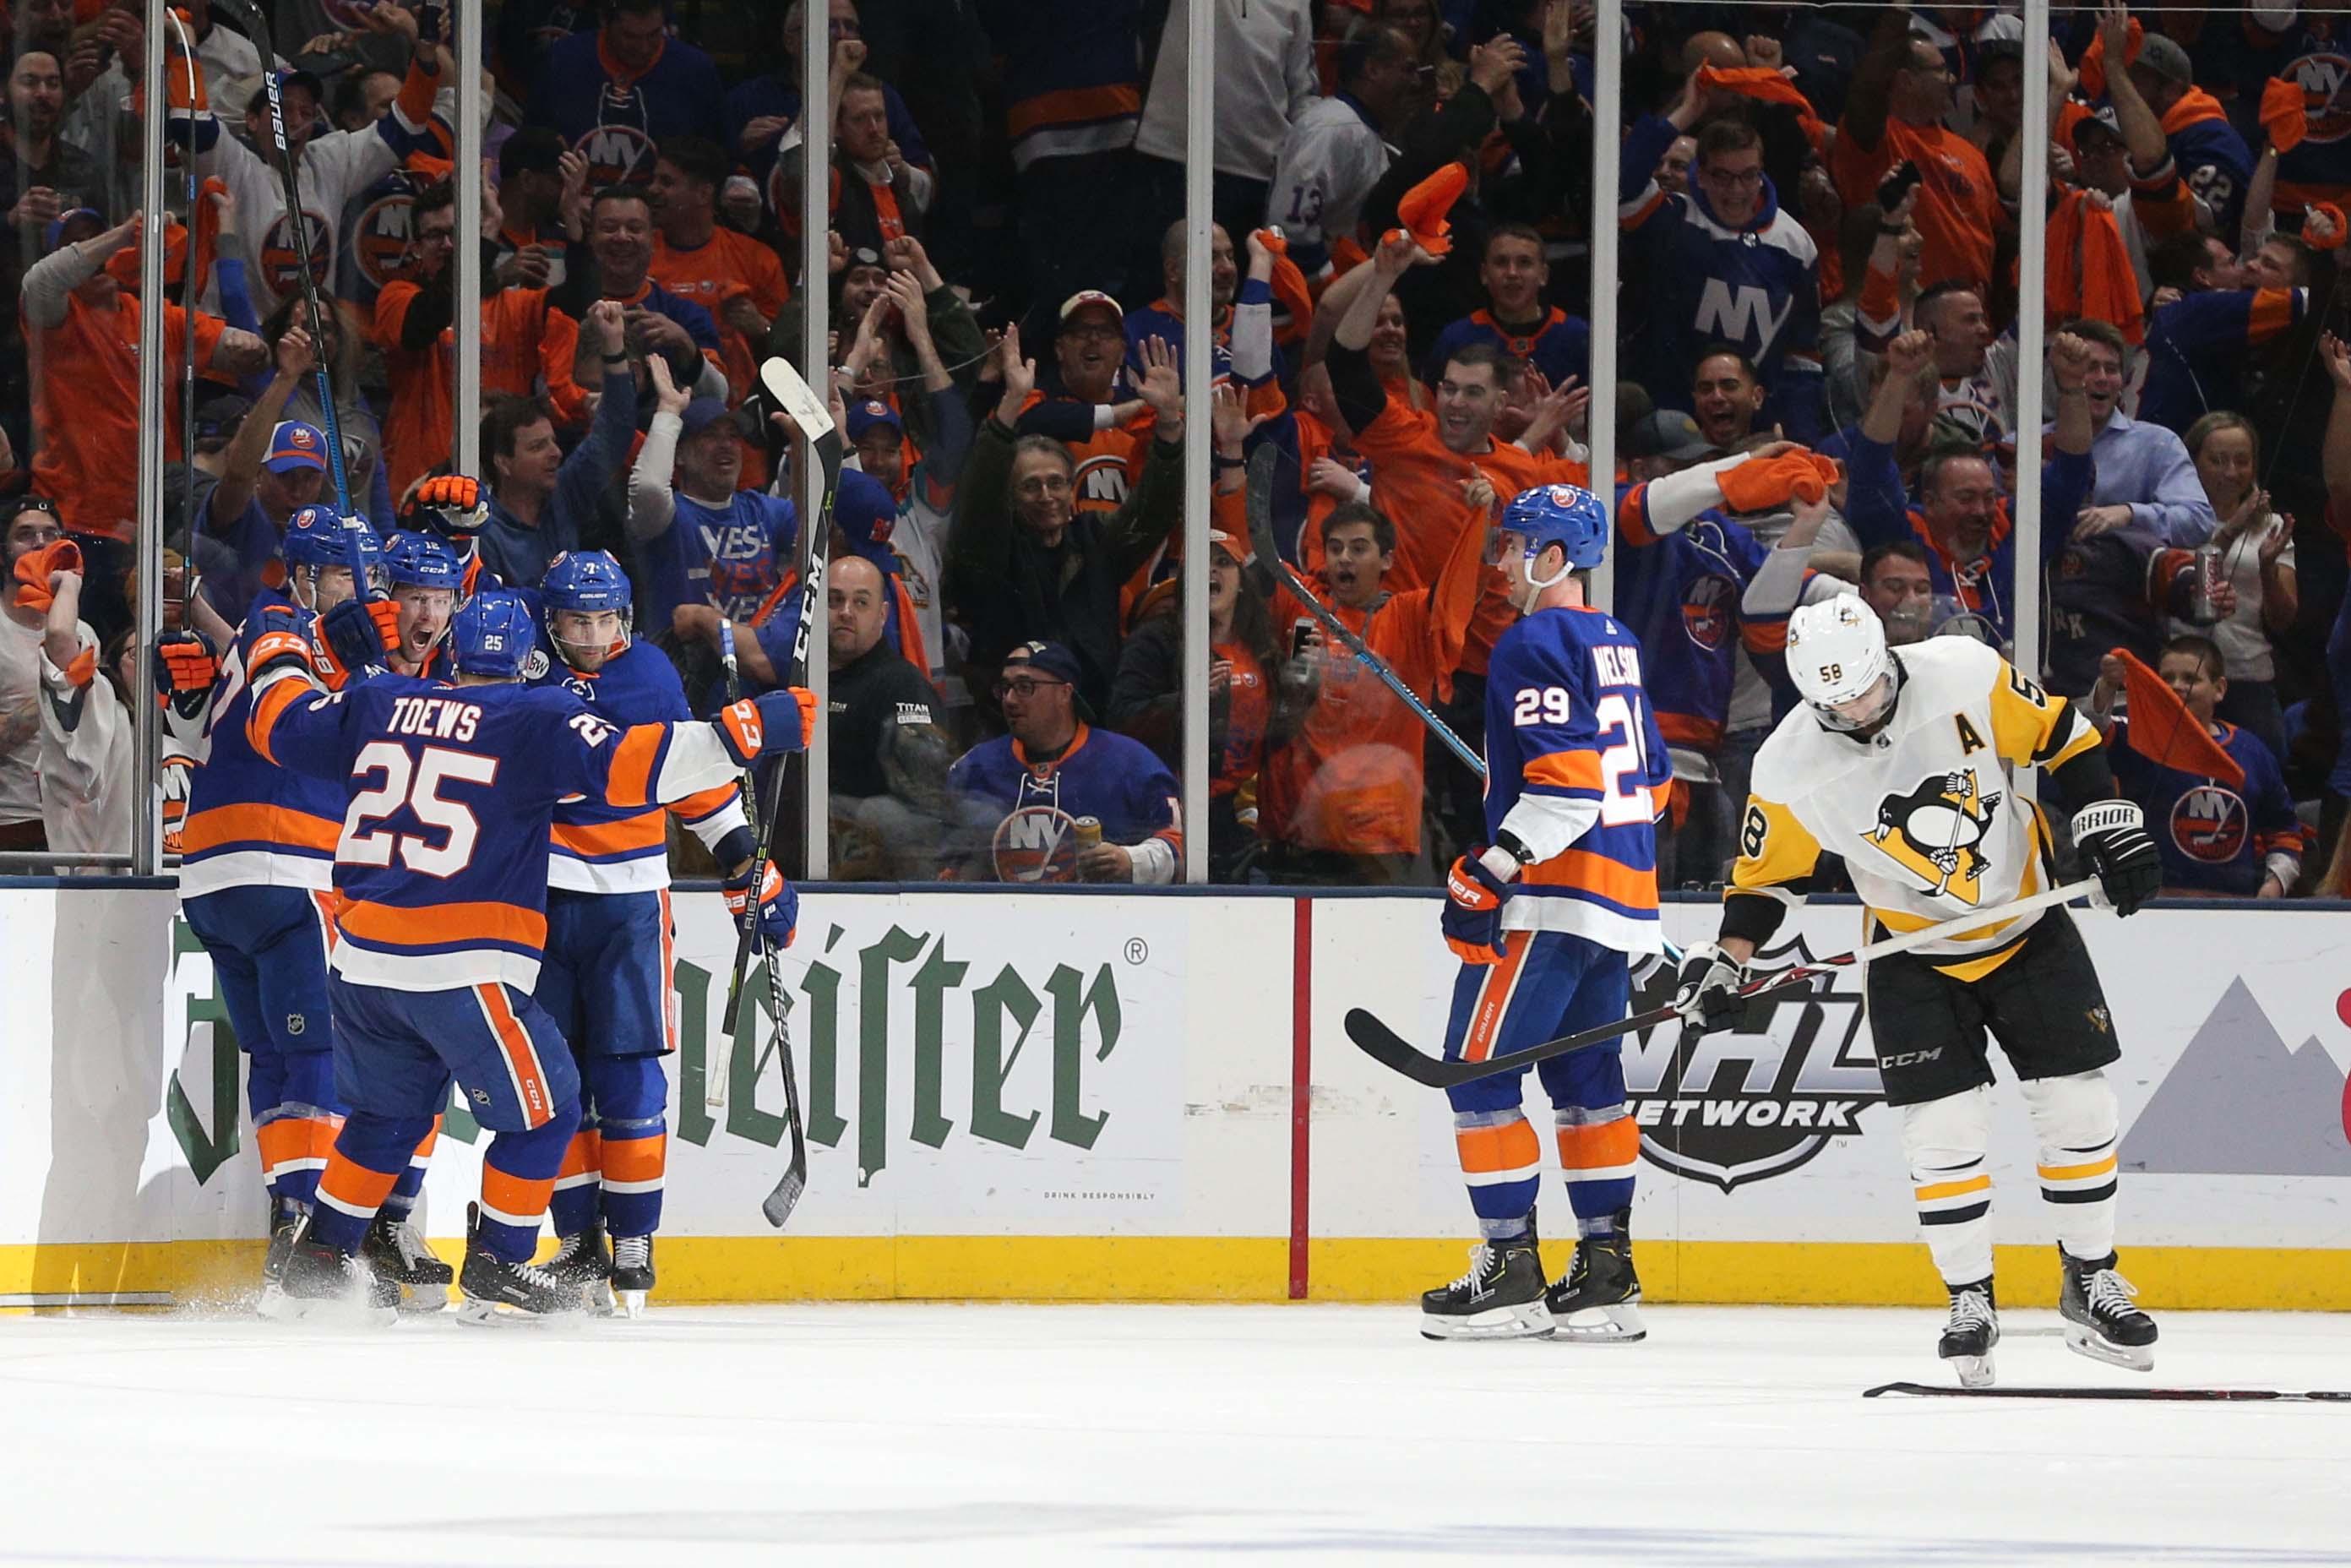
1569, 730
1924, 814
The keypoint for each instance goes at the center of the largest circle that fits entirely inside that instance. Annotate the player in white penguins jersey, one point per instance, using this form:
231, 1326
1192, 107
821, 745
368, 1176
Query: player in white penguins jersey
1898, 761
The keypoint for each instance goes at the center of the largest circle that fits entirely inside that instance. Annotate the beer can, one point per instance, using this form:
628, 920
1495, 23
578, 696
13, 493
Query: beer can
2201, 608
1089, 829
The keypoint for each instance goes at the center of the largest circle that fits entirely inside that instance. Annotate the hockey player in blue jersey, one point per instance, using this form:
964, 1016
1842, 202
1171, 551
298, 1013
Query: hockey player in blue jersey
440, 886
606, 977
401, 634
1544, 921
255, 877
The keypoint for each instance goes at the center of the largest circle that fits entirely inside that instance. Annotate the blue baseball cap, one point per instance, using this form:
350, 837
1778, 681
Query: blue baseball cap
871, 412
294, 444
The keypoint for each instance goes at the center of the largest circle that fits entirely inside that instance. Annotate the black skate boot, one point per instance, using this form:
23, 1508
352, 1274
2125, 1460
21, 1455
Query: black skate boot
1502, 1296
585, 1262
497, 1291
285, 1218
632, 1272
322, 1284
2100, 1322
1600, 1280
1969, 1332
398, 1253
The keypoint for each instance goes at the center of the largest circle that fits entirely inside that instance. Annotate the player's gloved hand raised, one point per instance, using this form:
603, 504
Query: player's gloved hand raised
2116, 846
1472, 919
771, 723
362, 631
185, 666
1706, 993
759, 896
450, 504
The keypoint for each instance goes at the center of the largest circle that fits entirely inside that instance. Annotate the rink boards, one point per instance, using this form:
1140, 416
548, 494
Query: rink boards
1115, 1097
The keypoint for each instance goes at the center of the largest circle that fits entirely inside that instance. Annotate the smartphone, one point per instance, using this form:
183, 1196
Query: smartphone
1897, 184
1300, 630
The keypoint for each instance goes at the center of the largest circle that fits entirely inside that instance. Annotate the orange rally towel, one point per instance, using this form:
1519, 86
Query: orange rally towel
33, 570
1423, 208
2089, 269
2333, 214
2195, 106
2284, 114
1765, 84
1288, 284
123, 264
1760, 484
2162, 730
2093, 74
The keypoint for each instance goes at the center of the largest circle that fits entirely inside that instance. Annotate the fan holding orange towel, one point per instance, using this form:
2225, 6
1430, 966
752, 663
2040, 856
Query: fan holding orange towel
2285, 114
2163, 731
1762, 484
32, 571
1421, 212
2089, 271
1768, 84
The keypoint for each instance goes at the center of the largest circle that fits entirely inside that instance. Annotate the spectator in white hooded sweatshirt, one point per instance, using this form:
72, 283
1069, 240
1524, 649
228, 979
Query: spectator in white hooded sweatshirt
1265, 80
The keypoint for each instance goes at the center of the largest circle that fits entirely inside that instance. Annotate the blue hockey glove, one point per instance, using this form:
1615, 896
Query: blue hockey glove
362, 631
777, 907
764, 726
1472, 919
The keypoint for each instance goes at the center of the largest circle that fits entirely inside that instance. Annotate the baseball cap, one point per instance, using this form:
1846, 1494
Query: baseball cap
2104, 121
865, 512
294, 444
1086, 297
533, 150
55, 232
1219, 540
2164, 58
871, 412
289, 79
1670, 433
703, 413
1054, 660
218, 417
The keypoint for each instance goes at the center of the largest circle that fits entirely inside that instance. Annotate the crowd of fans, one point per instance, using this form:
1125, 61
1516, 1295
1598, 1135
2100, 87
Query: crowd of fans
1815, 315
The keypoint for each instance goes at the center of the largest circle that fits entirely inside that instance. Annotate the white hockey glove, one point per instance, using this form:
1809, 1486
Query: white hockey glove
1707, 995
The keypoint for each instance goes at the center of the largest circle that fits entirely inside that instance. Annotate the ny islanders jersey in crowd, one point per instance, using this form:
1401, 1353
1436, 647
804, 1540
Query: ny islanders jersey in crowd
1923, 813
1680, 593
2215, 839
1566, 717
1035, 805
598, 847
251, 823
442, 866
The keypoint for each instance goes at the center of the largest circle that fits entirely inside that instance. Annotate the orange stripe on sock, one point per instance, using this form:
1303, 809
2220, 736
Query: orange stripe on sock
520, 1196
353, 1185
1509, 1147
1599, 1147
583, 1156
291, 1138
424, 1148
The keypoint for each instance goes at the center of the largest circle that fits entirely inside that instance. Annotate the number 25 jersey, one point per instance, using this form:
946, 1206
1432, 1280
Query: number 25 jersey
1928, 822
1567, 722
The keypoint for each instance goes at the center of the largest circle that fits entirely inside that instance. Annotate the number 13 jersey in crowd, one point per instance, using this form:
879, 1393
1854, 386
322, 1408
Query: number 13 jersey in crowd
1566, 717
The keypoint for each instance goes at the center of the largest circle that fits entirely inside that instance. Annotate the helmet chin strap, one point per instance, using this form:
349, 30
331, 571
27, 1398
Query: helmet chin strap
1536, 587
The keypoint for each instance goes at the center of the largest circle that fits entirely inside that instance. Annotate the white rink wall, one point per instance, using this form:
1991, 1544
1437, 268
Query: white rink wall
1151, 1098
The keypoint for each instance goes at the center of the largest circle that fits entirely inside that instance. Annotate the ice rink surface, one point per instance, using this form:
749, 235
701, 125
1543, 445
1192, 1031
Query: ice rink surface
891, 1433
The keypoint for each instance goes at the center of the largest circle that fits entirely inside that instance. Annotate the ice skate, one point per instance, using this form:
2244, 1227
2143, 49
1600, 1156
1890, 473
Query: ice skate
398, 1253
633, 1273
1969, 1332
285, 1218
322, 1285
2100, 1320
1600, 1288
497, 1291
585, 1262
1501, 1296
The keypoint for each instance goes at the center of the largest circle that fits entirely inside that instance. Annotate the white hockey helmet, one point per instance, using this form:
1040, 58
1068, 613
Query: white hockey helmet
1838, 660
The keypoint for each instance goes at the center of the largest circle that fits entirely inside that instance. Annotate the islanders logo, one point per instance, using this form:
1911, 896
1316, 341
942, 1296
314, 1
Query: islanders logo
2211, 823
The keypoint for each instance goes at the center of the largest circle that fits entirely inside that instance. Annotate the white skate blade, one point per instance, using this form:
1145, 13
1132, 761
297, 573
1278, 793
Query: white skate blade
1617, 1325
333, 1312
475, 1312
1529, 1320
423, 1301
631, 1303
2085, 1341
1972, 1371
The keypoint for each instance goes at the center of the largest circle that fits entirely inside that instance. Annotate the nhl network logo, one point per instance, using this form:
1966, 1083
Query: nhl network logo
1759, 1101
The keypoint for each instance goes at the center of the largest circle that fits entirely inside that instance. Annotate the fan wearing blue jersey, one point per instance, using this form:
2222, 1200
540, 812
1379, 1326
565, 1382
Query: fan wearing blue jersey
606, 977
255, 873
1543, 923
441, 883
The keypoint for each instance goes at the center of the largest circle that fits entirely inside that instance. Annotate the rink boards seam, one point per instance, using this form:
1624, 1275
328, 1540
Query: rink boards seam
1229, 1269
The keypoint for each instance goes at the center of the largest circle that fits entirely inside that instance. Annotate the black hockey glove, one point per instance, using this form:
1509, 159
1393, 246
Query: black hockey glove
1708, 993
2117, 850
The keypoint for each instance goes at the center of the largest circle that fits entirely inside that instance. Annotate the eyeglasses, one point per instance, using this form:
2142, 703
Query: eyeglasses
437, 236
1043, 484
1749, 178
1025, 687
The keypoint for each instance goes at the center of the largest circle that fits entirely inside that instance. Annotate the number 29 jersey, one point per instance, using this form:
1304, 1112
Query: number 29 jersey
1568, 723
1924, 813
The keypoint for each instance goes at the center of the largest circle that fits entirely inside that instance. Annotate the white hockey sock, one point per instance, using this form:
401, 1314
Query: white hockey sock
1945, 1141
2075, 1118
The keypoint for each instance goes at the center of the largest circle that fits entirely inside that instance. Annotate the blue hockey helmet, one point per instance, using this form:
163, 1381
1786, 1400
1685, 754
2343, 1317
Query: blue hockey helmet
493, 635
584, 579
1567, 515
314, 536
420, 561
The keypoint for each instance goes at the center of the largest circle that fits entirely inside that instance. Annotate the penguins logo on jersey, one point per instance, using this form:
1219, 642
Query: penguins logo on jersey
1936, 832
2210, 823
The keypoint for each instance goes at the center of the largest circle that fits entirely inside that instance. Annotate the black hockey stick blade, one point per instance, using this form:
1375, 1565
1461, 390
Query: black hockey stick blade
1258, 504
2248, 1396
1390, 1050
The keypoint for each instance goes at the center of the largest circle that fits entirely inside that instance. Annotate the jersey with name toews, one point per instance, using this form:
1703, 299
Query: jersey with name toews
1924, 813
1568, 725
440, 870
598, 847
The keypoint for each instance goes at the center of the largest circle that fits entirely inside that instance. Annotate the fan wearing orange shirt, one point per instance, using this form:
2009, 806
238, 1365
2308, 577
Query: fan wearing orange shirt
1893, 113
734, 276
523, 341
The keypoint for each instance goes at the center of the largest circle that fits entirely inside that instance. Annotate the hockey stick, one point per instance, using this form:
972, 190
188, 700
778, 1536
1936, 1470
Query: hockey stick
792, 396
188, 310
1261, 521
298, 222
2250, 1395
1384, 1045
